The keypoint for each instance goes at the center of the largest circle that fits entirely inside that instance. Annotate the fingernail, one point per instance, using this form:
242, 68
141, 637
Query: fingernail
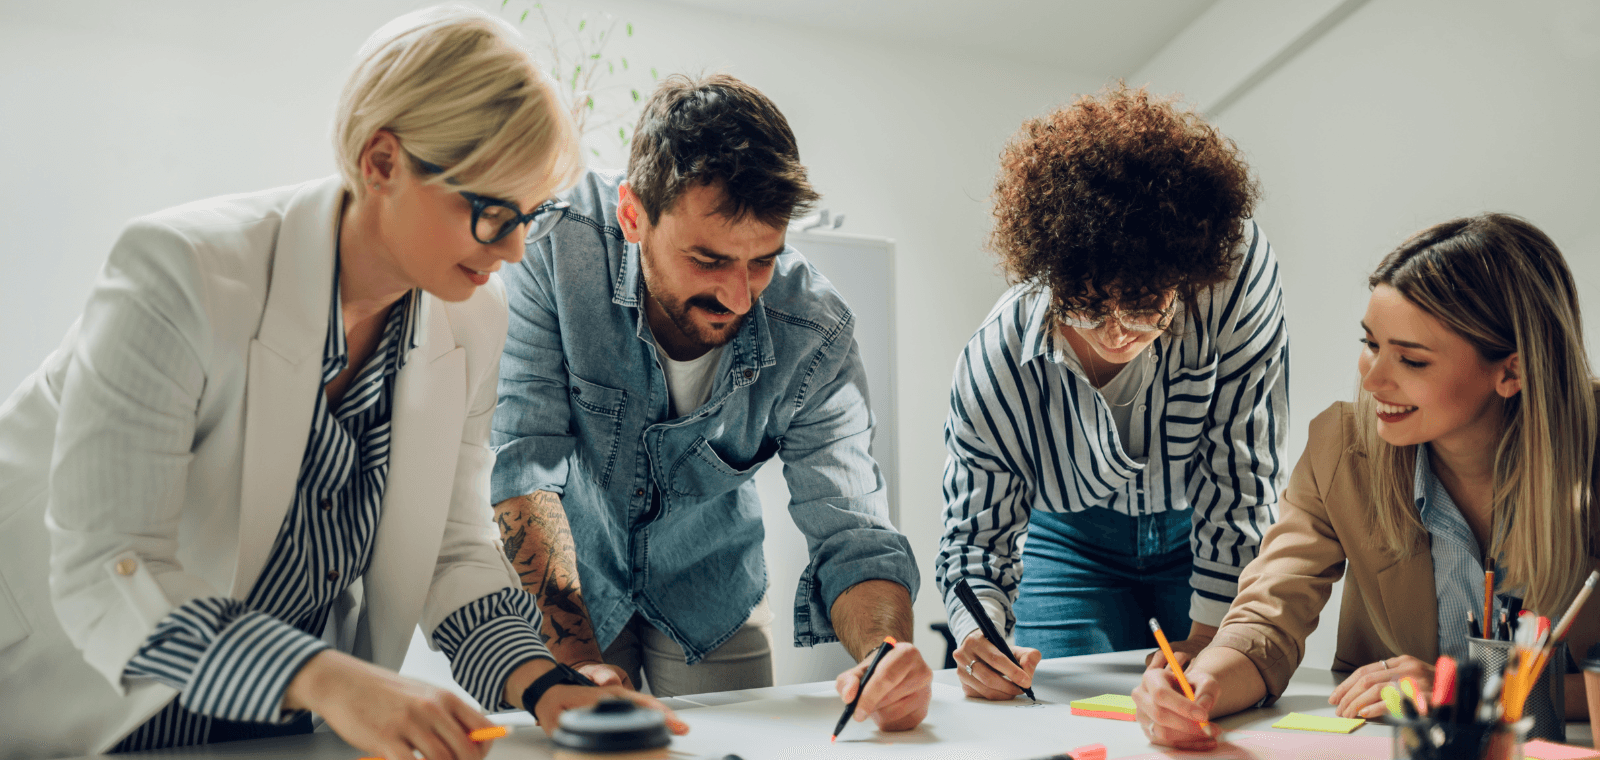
1208, 729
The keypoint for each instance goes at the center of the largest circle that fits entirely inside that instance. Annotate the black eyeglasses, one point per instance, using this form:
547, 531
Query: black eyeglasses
493, 219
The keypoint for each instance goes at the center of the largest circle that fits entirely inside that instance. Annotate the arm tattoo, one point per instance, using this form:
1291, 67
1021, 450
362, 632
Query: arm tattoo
538, 542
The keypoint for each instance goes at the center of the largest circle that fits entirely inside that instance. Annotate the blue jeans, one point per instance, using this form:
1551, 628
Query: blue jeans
1092, 580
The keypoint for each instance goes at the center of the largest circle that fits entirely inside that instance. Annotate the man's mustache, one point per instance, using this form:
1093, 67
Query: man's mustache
709, 303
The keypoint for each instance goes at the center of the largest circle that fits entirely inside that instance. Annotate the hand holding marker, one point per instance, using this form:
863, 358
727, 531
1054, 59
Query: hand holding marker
877, 656
969, 600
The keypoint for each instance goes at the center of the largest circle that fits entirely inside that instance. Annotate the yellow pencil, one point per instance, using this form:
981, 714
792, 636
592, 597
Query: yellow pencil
480, 735
1172, 659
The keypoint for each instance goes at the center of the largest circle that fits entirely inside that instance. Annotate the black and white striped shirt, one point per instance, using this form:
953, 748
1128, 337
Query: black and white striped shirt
232, 660
1026, 432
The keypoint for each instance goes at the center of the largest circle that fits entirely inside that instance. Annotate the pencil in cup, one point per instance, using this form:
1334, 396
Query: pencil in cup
1545, 702
479, 735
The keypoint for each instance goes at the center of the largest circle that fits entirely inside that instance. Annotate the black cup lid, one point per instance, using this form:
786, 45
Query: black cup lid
613, 725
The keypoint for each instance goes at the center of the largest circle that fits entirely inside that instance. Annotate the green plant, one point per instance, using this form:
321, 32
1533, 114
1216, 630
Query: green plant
580, 55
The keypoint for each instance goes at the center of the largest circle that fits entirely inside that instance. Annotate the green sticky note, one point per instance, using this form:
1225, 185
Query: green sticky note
1301, 722
1119, 703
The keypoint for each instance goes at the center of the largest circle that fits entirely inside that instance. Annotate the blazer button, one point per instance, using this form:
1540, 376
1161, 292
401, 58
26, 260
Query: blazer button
333, 575
749, 374
327, 505
126, 567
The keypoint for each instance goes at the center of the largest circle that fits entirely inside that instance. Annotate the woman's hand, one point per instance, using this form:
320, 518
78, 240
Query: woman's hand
564, 697
603, 674
1169, 718
381, 713
987, 674
1358, 696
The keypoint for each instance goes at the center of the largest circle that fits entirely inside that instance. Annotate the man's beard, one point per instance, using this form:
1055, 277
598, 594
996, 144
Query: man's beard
677, 310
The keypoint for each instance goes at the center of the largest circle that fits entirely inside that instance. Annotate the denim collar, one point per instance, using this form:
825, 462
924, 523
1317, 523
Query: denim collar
747, 353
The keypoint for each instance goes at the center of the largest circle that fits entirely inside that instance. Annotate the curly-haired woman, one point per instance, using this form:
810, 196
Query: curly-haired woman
1124, 403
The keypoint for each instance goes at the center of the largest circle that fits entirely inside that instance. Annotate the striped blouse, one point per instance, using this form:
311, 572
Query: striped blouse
233, 660
1025, 432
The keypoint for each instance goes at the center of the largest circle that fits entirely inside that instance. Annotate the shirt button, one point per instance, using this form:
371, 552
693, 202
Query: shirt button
1142, 407
126, 567
333, 575
749, 374
577, 391
327, 505
638, 492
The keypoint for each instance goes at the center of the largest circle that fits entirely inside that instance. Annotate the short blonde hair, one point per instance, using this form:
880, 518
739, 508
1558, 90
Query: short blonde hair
453, 84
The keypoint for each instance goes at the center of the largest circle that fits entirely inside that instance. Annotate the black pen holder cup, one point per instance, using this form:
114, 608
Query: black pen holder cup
1425, 739
1547, 703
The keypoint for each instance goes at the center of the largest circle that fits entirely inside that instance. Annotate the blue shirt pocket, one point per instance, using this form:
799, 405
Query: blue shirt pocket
597, 413
702, 472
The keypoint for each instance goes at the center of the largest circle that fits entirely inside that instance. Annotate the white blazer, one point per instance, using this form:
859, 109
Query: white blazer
153, 457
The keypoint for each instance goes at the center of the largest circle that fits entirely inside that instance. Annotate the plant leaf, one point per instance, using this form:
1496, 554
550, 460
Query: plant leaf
582, 23
653, 72
524, 16
630, 28
624, 63
635, 95
595, 151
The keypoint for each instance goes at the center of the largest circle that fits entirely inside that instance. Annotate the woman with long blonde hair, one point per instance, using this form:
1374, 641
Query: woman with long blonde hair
1473, 440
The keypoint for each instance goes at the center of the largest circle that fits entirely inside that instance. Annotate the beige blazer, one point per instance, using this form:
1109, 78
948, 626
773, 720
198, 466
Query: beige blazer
1323, 532
152, 459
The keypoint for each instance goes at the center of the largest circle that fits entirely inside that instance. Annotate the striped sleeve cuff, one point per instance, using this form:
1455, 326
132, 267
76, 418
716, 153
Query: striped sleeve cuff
246, 671
487, 639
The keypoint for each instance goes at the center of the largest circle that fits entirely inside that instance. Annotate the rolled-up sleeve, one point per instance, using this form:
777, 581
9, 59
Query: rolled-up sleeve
838, 497
532, 436
1240, 459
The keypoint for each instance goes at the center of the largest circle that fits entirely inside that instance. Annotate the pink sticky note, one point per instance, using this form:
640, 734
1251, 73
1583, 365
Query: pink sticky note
1539, 749
1089, 752
1102, 714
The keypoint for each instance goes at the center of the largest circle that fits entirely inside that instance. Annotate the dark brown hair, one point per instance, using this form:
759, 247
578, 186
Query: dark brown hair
1120, 196
717, 130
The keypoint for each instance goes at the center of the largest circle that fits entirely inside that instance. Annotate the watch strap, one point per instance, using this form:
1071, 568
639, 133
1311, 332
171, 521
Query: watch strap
559, 675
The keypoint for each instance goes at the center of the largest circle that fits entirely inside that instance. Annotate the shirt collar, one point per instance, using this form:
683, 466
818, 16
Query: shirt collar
1422, 483
336, 351
1039, 336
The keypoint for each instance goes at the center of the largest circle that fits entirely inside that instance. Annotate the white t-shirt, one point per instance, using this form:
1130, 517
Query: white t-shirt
1121, 392
689, 383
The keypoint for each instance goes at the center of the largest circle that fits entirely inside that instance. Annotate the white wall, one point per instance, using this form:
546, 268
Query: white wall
114, 110
1408, 113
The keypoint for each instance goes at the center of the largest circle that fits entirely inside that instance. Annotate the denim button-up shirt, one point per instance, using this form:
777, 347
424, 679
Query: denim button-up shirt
663, 510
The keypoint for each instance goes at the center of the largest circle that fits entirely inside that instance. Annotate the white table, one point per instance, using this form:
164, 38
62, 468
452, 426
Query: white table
785, 722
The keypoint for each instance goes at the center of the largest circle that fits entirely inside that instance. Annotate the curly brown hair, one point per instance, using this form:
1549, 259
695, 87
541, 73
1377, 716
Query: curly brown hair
1121, 196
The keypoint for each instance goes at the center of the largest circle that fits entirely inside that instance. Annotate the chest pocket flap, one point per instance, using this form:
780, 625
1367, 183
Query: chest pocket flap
702, 472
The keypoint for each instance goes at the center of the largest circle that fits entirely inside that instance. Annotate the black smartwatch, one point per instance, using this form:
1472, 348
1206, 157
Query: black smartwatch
557, 676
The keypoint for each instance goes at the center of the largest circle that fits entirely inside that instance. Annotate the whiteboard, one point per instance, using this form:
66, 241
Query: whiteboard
861, 268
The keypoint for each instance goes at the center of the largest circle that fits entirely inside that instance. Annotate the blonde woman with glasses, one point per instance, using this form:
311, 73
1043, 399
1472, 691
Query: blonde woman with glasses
1473, 438
261, 456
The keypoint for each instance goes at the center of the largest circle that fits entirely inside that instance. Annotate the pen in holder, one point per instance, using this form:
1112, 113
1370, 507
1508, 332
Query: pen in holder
1547, 703
1427, 739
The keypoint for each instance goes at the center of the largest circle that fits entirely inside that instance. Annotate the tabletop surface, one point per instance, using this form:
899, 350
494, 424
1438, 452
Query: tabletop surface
791, 722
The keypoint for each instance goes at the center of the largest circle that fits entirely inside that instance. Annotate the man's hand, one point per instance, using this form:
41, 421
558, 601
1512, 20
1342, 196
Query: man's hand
897, 697
992, 676
1358, 696
1183, 650
383, 713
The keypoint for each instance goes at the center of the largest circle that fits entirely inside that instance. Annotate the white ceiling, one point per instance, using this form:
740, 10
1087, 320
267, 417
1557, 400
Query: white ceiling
1100, 37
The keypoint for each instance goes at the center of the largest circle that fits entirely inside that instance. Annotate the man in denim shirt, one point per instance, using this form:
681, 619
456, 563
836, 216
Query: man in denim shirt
665, 342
